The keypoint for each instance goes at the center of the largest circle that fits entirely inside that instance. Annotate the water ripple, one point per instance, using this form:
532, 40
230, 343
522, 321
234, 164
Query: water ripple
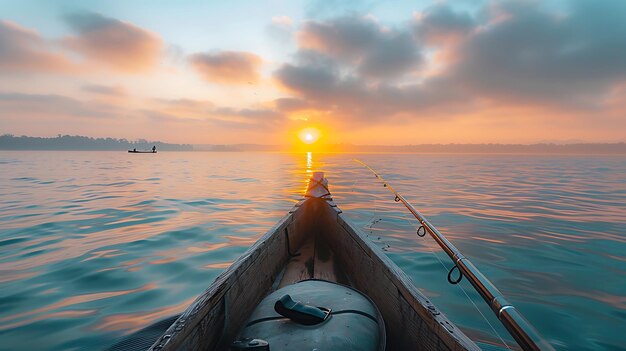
97, 245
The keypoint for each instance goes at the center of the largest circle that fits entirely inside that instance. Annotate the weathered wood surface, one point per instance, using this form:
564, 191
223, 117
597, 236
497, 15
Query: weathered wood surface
413, 322
340, 253
215, 317
300, 267
326, 266
314, 260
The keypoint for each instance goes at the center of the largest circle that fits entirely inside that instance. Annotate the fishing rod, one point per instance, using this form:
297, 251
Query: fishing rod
520, 329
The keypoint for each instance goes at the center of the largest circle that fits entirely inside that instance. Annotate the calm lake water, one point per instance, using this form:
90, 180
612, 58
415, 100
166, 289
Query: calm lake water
97, 245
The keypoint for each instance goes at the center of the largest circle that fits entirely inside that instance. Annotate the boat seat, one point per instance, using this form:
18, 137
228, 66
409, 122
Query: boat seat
354, 322
314, 260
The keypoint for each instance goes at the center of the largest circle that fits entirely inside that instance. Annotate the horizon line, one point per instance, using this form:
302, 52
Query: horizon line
142, 140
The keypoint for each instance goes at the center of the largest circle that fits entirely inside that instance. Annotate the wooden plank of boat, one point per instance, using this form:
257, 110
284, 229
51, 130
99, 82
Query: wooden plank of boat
141, 152
313, 240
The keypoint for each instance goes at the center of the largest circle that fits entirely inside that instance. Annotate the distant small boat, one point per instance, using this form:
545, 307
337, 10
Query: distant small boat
142, 152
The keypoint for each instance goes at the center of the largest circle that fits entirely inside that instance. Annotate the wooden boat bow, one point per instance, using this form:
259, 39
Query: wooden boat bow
318, 187
313, 241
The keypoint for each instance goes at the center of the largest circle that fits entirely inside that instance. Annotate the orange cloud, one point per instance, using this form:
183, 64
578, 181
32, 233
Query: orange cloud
22, 49
113, 43
227, 67
100, 41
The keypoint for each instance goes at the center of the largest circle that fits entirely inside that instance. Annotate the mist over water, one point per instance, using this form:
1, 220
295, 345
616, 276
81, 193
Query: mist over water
97, 245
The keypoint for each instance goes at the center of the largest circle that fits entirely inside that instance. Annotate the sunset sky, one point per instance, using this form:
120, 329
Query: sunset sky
362, 72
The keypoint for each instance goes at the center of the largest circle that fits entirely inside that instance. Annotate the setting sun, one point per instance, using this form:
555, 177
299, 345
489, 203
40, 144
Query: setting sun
309, 135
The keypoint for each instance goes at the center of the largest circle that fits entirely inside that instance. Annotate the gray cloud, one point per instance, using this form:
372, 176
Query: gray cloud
323, 75
291, 104
254, 114
38, 114
34, 114
329, 8
533, 55
377, 51
440, 22
186, 104
514, 53
227, 67
202, 110
21, 105
163, 117
350, 96
104, 90
308, 78
113, 43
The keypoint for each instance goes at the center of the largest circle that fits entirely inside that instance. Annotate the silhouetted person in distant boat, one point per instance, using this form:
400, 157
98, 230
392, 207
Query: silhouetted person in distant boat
153, 148
135, 150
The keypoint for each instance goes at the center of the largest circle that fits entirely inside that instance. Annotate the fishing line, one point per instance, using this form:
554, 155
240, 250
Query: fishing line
429, 247
353, 191
521, 330
375, 217
372, 221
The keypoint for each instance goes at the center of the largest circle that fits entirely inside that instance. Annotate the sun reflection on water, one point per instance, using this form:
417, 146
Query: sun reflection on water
309, 162
76, 250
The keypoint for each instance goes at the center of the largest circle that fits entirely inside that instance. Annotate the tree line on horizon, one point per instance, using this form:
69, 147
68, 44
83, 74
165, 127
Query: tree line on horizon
69, 142
75, 142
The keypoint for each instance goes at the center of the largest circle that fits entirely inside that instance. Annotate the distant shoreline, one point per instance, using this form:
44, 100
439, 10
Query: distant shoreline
81, 143
450, 153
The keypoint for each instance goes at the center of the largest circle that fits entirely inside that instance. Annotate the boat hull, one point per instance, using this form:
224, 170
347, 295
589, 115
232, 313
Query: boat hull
216, 316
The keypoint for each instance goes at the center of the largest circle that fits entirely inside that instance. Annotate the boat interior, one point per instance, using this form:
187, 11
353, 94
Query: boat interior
314, 241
